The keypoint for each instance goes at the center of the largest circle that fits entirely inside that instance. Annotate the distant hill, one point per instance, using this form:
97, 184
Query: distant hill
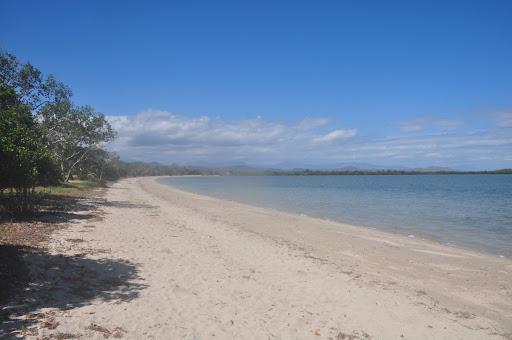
331, 166
155, 169
432, 169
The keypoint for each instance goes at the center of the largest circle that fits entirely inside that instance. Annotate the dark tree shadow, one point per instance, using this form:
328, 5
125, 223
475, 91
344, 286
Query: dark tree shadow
66, 208
126, 204
64, 282
55, 209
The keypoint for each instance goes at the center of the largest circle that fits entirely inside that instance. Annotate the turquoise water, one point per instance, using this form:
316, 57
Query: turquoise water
469, 211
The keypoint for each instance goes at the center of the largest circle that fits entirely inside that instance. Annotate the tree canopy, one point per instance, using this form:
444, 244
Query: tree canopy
72, 132
44, 137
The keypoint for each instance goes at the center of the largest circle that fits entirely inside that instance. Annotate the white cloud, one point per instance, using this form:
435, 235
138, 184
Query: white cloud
504, 119
154, 128
312, 123
421, 123
478, 150
336, 135
170, 138
164, 136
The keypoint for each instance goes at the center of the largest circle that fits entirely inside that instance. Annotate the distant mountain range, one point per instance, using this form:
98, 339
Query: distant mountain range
289, 166
431, 169
156, 169
247, 170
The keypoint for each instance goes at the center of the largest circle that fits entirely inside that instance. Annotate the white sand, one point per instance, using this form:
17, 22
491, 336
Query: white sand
209, 268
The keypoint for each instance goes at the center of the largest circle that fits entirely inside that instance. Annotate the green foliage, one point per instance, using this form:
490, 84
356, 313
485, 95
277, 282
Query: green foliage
39, 107
100, 165
73, 133
44, 137
33, 89
70, 188
24, 162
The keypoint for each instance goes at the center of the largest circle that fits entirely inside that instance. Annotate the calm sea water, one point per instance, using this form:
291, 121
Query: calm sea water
469, 211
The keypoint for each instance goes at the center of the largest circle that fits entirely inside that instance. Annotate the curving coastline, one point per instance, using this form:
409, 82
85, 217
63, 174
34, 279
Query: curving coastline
207, 268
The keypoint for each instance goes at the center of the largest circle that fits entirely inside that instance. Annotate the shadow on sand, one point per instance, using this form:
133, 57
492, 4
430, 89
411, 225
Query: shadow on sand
64, 282
126, 204
55, 209
60, 209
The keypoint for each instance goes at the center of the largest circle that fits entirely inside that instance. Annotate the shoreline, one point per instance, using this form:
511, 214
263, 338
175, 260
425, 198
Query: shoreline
168, 263
444, 259
419, 237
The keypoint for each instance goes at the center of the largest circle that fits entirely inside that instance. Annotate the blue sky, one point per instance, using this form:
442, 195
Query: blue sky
287, 83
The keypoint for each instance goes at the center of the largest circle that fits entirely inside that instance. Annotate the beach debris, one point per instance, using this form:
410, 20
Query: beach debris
75, 240
50, 323
118, 332
411, 236
460, 314
354, 336
343, 336
97, 328
62, 336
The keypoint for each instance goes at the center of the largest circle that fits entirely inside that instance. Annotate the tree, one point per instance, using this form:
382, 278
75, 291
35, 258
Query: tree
32, 88
24, 162
72, 132
101, 165
69, 132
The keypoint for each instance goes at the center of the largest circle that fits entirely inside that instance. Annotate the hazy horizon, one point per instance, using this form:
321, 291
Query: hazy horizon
294, 166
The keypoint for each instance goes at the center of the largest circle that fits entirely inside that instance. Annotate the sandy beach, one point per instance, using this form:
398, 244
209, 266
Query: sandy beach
165, 264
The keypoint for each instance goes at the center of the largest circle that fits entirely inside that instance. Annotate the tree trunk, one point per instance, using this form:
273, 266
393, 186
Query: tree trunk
101, 172
24, 198
68, 175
